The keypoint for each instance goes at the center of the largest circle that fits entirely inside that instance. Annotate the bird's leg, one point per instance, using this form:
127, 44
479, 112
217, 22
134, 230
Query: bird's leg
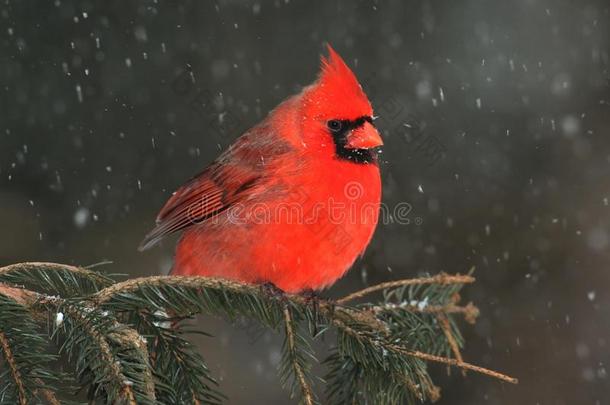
313, 297
272, 291
310, 296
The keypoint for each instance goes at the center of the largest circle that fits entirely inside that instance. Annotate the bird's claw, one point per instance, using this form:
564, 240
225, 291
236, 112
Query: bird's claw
313, 298
272, 291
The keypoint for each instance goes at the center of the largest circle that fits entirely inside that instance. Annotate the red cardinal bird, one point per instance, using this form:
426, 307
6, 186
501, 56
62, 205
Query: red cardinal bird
293, 201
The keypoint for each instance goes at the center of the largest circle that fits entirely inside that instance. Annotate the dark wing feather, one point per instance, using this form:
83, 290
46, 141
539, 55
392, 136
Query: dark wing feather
229, 180
210, 193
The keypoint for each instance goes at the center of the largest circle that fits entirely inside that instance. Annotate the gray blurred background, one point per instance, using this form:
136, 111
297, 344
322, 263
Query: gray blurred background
107, 107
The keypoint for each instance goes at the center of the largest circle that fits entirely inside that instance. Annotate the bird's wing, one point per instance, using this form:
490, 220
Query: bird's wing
201, 198
238, 174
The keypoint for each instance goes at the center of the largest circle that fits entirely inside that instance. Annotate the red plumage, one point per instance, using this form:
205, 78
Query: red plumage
293, 201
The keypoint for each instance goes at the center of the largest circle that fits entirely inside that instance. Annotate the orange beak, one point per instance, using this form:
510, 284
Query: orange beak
364, 137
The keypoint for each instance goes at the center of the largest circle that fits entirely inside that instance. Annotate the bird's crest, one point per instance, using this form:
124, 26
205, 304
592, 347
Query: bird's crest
337, 94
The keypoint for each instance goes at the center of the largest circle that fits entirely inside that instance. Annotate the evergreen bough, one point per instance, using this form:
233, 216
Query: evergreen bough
125, 342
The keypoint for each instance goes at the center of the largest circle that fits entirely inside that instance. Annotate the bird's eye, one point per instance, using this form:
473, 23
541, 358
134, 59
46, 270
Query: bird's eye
334, 125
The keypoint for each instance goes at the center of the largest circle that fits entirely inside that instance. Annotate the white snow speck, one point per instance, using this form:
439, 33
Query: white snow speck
423, 89
421, 305
81, 217
570, 125
140, 33
364, 275
162, 324
79, 93
59, 319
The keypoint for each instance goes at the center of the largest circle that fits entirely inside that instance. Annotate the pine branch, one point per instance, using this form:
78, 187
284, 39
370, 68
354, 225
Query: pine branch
53, 278
47, 394
443, 320
469, 311
126, 339
109, 357
25, 353
458, 364
14, 369
441, 279
294, 361
181, 375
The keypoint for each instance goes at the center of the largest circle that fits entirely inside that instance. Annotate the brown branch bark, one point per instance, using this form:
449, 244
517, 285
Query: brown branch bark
47, 394
443, 321
19, 295
105, 351
456, 363
326, 307
469, 311
441, 279
299, 374
429, 357
12, 365
126, 337
54, 266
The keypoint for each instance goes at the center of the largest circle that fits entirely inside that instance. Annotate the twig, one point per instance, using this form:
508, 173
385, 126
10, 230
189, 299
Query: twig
441, 279
443, 320
47, 394
300, 376
203, 282
470, 311
426, 356
456, 363
128, 337
10, 360
19, 295
105, 351
57, 267
328, 308
134, 284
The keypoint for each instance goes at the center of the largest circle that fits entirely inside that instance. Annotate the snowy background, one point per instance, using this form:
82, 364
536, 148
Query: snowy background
100, 121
